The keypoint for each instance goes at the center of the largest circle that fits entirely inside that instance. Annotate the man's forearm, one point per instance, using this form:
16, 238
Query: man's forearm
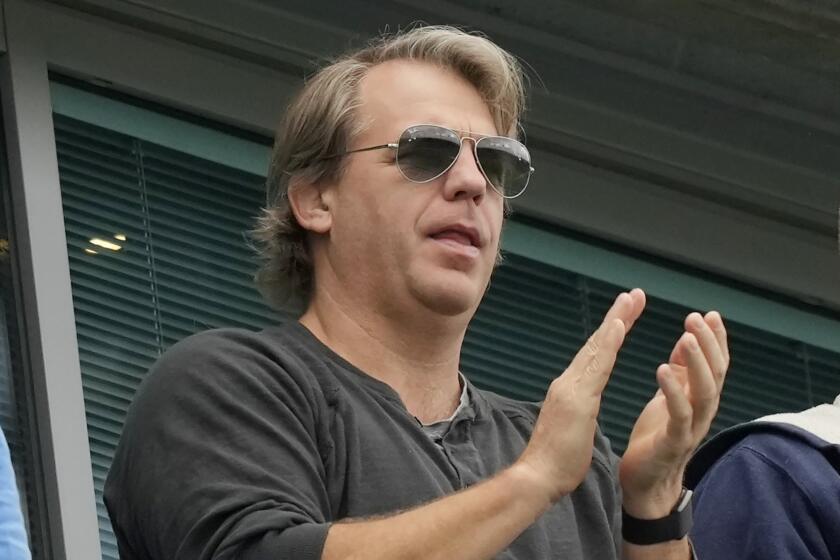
474, 524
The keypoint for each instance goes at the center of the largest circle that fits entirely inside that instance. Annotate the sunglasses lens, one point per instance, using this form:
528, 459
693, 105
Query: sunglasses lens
506, 163
425, 152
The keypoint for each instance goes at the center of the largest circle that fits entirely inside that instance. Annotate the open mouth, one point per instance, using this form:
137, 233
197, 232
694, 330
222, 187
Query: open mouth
454, 237
457, 233
461, 239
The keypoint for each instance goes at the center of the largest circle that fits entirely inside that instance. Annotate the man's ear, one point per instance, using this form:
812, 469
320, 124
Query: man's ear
310, 206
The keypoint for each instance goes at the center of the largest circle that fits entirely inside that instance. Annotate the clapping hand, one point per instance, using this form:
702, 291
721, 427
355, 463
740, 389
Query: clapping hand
676, 419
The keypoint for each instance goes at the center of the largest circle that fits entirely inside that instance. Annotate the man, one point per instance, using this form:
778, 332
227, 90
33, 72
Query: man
770, 489
351, 433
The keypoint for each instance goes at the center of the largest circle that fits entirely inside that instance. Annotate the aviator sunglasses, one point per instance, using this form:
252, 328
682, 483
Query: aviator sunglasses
427, 151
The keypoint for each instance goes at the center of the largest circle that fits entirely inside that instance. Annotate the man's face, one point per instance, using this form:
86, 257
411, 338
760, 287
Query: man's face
399, 244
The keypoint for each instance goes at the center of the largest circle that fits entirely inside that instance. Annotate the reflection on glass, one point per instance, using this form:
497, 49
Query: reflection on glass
105, 244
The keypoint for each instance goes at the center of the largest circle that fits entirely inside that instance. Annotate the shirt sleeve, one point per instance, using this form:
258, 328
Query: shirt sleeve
13, 541
752, 505
219, 458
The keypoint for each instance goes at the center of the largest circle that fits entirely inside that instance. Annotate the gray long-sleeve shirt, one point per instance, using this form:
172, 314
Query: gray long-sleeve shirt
248, 445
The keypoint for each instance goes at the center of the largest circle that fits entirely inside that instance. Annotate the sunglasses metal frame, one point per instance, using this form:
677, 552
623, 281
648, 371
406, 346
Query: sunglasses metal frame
462, 135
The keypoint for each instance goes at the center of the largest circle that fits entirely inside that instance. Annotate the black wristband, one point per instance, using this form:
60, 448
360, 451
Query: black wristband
672, 527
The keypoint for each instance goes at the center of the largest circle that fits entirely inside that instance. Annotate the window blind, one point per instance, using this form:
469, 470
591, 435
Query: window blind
535, 317
157, 252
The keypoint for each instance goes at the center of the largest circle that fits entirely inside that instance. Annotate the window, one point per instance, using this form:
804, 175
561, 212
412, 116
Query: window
157, 251
536, 316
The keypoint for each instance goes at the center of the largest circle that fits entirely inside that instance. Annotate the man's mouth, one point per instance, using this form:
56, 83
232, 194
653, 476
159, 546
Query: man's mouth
462, 239
460, 234
454, 237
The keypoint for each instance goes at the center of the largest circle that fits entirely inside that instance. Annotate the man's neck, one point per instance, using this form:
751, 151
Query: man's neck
418, 360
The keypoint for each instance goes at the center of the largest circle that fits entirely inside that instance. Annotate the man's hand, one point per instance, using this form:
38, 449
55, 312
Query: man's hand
676, 419
560, 450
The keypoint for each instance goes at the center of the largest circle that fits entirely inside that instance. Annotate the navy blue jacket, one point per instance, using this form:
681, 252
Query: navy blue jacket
766, 491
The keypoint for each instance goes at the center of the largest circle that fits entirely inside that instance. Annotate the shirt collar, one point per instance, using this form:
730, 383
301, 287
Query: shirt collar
463, 404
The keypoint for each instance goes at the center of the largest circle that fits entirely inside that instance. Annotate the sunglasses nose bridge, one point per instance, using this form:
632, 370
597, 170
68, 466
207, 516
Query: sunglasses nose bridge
460, 142
474, 149
475, 162
474, 153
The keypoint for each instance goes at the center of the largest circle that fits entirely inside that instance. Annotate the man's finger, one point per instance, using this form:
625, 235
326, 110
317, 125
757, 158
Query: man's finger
709, 344
628, 306
703, 390
679, 409
715, 322
622, 307
676, 357
639, 301
679, 373
594, 362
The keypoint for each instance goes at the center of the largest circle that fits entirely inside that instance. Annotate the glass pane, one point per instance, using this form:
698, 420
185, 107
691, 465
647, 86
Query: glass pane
535, 317
113, 294
157, 247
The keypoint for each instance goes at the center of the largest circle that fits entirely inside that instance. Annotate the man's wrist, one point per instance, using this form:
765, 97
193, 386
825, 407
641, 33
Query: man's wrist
671, 550
654, 503
528, 485
671, 527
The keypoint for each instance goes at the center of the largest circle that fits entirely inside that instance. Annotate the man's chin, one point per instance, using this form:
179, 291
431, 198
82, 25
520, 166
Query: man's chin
450, 298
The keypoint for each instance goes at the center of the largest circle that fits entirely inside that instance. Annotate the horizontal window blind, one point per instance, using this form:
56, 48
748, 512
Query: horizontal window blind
157, 252
535, 317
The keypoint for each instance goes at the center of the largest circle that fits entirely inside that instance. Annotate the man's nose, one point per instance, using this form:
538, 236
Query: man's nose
465, 179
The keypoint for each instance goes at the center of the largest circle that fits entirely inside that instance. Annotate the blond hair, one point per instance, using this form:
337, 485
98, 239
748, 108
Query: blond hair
321, 120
